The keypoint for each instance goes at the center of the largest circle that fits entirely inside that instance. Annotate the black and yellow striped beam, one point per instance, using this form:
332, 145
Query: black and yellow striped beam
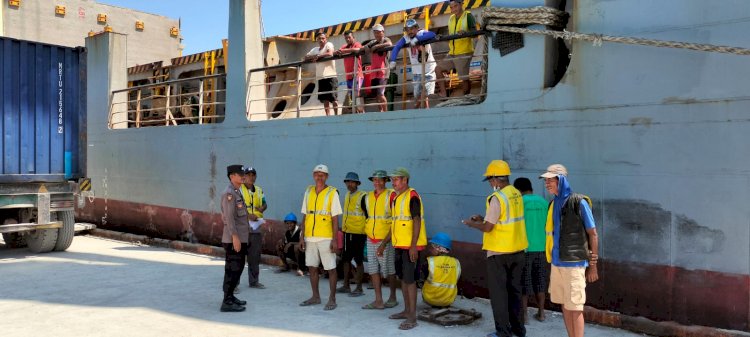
438, 8
84, 185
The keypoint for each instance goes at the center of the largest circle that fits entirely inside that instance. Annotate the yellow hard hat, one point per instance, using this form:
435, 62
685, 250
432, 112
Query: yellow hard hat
497, 168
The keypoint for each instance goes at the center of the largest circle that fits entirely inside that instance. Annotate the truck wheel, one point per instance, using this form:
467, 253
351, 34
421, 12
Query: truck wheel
13, 240
66, 232
42, 240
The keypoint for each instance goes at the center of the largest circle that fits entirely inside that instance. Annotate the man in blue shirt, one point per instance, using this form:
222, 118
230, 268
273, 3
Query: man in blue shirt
572, 247
418, 54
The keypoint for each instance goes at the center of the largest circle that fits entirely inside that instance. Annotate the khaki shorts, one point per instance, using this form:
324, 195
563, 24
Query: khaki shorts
459, 62
320, 251
567, 286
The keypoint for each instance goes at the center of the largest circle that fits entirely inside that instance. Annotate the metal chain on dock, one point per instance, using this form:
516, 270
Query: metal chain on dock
497, 19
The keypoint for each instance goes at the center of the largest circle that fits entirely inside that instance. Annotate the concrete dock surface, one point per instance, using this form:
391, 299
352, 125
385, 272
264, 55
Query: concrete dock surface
101, 287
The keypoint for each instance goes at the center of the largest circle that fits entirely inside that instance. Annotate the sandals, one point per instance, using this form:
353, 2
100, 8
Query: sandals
406, 325
391, 304
371, 306
310, 302
399, 315
330, 306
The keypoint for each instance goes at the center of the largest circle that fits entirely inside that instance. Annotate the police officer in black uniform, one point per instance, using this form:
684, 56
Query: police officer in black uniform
234, 238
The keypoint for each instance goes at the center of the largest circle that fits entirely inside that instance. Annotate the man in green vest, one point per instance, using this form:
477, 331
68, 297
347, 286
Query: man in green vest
460, 51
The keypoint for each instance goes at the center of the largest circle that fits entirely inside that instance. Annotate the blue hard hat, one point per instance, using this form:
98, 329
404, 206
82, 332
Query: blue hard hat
442, 239
351, 176
290, 217
411, 23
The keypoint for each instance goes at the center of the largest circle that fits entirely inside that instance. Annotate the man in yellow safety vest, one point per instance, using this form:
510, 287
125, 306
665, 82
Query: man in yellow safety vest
354, 234
460, 51
443, 271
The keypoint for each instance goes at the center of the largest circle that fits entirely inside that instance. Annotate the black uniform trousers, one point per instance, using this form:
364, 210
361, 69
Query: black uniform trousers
253, 257
234, 264
504, 273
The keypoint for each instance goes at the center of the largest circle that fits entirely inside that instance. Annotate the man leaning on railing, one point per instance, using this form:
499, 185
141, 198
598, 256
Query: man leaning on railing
378, 69
417, 55
325, 72
460, 50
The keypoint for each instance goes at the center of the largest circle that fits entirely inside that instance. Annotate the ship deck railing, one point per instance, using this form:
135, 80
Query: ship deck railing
200, 101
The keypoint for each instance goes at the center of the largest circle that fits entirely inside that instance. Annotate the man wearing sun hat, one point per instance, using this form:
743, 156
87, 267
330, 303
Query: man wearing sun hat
378, 227
505, 241
353, 219
321, 208
572, 247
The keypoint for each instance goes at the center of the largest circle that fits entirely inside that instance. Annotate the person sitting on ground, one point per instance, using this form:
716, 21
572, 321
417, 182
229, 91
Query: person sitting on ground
443, 272
288, 247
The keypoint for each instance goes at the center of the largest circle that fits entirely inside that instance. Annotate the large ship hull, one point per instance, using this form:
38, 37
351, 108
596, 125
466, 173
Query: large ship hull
656, 137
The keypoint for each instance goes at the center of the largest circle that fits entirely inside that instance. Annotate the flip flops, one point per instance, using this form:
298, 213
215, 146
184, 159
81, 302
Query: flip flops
330, 306
391, 304
309, 302
371, 306
406, 325
356, 293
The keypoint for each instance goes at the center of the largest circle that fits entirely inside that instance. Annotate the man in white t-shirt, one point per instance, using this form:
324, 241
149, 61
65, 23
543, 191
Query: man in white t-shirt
325, 72
418, 54
321, 208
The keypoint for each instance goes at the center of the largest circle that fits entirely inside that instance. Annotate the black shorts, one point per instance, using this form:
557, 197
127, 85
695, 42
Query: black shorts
354, 248
324, 86
377, 82
406, 271
535, 273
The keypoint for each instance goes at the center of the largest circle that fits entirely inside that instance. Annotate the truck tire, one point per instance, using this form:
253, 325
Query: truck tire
66, 233
42, 240
14, 240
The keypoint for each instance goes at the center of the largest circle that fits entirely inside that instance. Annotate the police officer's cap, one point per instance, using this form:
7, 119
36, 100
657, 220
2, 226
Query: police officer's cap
239, 169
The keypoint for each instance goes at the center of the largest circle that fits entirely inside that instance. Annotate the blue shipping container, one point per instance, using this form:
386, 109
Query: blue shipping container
42, 111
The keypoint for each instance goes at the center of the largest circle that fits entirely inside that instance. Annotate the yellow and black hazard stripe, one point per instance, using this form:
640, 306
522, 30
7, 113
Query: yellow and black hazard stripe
84, 184
195, 58
438, 8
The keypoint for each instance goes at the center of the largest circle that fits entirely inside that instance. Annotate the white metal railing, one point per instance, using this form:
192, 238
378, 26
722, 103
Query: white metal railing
199, 101
405, 101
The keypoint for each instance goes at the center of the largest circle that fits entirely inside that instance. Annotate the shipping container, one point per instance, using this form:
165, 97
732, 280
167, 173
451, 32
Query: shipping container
42, 112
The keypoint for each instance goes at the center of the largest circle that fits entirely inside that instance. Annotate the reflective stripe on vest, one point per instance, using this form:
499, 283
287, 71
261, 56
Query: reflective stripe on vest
379, 218
441, 286
318, 222
459, 46
251, 201
509, 233
402, 227
353, 217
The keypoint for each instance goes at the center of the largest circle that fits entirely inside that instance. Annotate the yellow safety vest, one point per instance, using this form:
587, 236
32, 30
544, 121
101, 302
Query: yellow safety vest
254, 201
379, 219
459, 46
402, 226
318, 222
509, 234
354, 217
441, 287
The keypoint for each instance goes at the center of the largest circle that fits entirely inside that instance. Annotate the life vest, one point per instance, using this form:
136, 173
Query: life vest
459, 46
441, 286
379, 219
254, 201
354, 217
509, 234
402, 226
318, 222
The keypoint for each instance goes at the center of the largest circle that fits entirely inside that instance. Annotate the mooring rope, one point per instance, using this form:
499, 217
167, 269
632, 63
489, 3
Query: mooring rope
497, 18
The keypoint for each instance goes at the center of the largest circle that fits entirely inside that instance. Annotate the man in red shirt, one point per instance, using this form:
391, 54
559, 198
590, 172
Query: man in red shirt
379, 66
352, 47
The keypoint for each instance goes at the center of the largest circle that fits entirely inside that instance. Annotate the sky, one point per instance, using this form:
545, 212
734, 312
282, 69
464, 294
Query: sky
204, 23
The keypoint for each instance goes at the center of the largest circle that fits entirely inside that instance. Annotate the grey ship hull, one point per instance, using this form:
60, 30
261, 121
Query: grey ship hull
657, 138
